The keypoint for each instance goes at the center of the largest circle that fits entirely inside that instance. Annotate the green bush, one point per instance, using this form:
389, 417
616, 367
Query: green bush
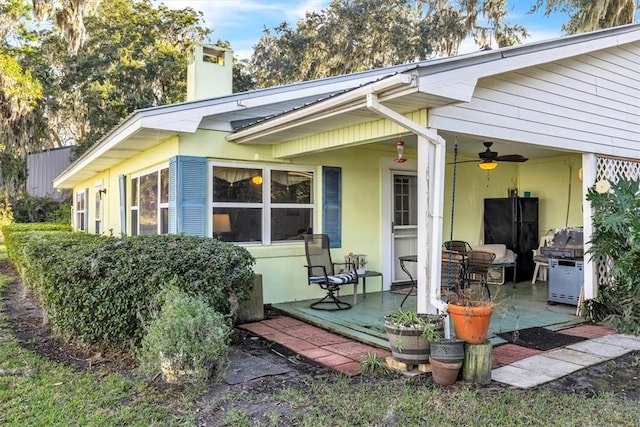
28, 209
188, 333
6, 212
99, 290
15, 236
616, 243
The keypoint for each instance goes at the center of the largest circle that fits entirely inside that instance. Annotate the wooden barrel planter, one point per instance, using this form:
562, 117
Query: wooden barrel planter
407, 344
408, 341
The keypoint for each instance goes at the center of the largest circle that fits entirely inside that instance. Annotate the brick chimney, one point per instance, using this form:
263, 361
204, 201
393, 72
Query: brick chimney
209, 72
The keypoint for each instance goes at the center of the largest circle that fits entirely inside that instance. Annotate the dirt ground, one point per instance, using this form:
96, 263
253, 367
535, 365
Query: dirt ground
620, 376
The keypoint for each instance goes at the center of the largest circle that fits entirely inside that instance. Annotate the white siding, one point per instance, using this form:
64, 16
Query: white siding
590, 103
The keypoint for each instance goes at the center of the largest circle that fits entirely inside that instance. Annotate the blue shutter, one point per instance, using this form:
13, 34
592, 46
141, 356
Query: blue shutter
187, 195
332, 205
122, 185
173, 214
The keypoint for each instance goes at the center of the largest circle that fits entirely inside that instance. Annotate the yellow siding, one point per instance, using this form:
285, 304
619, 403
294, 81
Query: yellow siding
284, 277
213, 145
150, 159
349, 136
547, 179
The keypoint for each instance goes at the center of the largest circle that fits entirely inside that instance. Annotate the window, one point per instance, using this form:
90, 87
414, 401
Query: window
150, 203
261, 204
81, 212
99, 209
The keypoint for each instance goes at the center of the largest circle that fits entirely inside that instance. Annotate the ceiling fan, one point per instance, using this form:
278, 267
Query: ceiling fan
490, 158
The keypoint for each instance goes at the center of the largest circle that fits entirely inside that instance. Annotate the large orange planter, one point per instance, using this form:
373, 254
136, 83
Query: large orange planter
471, 323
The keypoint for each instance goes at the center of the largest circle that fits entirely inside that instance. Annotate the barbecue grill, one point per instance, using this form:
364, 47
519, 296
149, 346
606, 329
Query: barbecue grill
566, 263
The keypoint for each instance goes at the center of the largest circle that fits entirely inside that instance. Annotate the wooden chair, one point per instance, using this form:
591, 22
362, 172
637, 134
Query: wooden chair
321, 271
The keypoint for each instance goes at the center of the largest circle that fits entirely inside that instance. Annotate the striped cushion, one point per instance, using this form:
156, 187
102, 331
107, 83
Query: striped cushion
337, 279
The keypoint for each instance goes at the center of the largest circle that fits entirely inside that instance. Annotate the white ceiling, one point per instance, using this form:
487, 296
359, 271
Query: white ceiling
470, 145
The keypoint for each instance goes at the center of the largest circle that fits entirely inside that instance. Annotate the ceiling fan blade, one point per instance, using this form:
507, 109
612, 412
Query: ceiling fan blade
511, 158
465, 161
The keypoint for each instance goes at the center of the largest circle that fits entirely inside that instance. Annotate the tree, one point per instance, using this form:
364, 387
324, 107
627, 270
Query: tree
590, 15
134, 56
20, 96
69, 17
356, 35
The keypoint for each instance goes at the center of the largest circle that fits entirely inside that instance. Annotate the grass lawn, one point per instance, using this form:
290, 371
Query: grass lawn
37, 391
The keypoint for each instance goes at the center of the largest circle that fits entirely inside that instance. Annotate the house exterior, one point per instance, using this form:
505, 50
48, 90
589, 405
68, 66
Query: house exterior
263, 167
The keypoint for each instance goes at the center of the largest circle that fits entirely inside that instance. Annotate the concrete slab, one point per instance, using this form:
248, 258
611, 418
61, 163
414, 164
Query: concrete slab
599, 348
245, 367
541, 364
574, 356
626, 341
518, 377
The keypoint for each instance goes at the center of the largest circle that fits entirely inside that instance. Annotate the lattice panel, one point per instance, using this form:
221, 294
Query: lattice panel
612, 170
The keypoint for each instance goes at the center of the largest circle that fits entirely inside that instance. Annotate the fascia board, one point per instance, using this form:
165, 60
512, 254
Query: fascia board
449, 82
121, 135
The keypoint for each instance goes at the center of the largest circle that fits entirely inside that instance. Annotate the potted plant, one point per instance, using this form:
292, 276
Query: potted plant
470, 313
185, 340
410, 333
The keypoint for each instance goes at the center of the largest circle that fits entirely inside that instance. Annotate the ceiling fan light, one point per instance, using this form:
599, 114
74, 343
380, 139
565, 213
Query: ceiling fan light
487, 166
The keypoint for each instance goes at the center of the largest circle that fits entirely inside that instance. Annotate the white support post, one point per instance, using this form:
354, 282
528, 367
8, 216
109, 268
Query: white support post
588, 179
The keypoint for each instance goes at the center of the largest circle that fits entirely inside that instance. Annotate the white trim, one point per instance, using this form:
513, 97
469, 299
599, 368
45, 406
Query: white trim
265, 205
589, 171
388, 166
160, 205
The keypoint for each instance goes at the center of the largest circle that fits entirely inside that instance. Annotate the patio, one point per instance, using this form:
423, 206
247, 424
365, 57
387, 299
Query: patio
519, 307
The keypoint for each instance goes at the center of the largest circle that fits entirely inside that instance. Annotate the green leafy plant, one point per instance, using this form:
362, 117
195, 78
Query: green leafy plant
615, 243
430, 324
372, 364
187, 335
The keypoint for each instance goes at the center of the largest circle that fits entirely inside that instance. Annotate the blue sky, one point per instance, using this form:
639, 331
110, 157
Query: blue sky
241, 21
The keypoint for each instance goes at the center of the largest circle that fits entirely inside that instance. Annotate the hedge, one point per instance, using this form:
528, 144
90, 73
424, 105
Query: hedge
100, 290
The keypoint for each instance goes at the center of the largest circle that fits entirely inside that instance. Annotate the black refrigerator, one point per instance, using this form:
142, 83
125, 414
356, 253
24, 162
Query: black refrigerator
513, 221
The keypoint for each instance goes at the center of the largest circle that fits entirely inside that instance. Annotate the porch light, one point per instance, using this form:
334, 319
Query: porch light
487, 166
400, 150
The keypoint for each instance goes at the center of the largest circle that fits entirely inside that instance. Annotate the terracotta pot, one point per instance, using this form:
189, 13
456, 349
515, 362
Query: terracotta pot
471, 322
444, 373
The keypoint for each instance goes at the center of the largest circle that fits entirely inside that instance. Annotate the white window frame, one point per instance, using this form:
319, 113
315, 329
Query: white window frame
99, 206
161, 205
266, 204
80, 224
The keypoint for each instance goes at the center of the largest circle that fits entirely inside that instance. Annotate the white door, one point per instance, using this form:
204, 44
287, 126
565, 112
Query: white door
404, 189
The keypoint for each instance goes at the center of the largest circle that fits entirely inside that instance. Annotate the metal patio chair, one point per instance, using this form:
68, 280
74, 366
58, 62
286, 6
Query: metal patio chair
322, 271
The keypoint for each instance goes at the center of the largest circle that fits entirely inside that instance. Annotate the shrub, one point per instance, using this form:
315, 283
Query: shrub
99, 290
6, 213
28, 209
187, 332
616, 243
